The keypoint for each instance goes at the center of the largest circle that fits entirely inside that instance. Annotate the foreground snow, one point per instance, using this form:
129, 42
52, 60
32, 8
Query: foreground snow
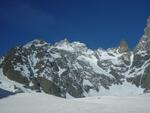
43, 103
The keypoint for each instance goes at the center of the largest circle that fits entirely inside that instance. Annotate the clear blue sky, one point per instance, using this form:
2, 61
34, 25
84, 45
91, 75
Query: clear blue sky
97, 23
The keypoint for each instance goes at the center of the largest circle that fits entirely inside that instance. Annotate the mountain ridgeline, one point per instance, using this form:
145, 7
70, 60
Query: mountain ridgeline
70, 68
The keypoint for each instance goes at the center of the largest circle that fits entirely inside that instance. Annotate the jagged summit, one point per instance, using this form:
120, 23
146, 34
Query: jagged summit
64, 41
35, 42
144, 43
70, 46
147, 29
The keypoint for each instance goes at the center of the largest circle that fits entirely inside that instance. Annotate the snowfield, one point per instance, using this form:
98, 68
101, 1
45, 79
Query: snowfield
43, 103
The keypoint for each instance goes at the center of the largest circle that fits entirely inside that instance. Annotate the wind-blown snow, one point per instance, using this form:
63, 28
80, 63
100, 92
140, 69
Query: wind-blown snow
43, 103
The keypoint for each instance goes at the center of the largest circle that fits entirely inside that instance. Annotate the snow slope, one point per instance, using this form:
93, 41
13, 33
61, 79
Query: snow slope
43, 103
126, 89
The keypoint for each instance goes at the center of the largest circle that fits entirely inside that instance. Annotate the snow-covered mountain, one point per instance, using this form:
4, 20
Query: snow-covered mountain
70, 69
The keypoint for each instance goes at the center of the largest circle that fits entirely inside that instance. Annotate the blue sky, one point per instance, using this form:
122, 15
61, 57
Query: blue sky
97, 23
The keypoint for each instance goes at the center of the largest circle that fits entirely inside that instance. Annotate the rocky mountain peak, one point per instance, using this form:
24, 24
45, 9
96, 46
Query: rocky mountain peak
62, 42
144, 43
36, 43
70, 46
147, 29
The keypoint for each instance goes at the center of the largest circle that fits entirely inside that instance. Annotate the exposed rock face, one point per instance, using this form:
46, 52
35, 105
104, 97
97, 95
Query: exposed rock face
72, 69
144, 43
64, 68
141, 63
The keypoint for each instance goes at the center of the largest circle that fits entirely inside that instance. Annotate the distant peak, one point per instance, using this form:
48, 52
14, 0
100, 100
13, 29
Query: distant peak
38, 41
64, 41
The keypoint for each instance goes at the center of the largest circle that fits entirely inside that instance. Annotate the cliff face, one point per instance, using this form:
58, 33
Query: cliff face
140, 69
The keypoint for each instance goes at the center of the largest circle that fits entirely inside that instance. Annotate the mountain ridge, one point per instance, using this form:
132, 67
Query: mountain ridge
71, 69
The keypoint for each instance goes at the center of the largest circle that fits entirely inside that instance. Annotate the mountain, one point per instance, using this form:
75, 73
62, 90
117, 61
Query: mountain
69, 69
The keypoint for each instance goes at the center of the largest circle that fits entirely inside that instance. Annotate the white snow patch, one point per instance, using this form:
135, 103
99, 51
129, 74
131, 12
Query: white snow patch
87, 82
61, 71
31, 84
131, 59
68, 96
